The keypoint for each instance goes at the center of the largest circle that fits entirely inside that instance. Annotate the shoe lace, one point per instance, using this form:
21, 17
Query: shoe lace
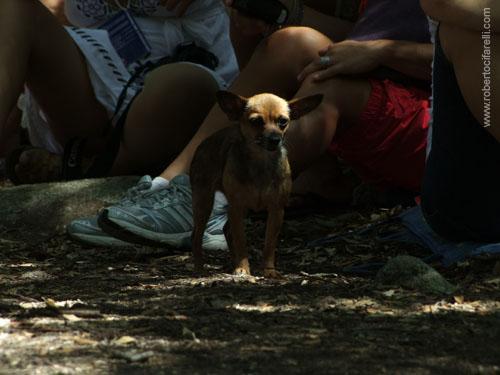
171, 194
135, 192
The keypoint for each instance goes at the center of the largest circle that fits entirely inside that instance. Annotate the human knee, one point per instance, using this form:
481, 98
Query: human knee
182, 76
294, 44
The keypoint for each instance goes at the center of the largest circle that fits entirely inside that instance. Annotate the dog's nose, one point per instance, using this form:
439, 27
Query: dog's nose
273, 141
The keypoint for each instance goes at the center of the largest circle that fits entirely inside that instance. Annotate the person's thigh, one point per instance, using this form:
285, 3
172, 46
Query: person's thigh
54, 69
466, 51
164, 116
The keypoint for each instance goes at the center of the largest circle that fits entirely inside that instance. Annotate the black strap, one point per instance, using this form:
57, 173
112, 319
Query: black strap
72, 159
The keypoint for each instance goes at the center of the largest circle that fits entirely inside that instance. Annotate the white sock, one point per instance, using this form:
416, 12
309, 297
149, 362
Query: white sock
159, 183
220, 198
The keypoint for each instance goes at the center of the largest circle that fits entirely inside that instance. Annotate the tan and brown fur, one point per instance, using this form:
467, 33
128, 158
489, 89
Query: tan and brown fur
248, 162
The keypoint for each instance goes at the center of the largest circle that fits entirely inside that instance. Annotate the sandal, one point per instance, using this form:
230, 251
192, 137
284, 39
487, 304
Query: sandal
44, 166
30, 165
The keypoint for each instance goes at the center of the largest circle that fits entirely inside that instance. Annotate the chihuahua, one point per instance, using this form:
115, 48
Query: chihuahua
249, 164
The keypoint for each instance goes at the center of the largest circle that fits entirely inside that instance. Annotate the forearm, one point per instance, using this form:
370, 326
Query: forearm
467, 14
410, 58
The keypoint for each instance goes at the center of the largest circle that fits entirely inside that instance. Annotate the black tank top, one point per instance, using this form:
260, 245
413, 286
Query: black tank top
462, 178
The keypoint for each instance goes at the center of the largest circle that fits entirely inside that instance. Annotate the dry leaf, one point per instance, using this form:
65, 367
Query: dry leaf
71, 317
495, 281
125, 340
51, 303
389, 293
84, 341
4, 323
459, 299
187, 332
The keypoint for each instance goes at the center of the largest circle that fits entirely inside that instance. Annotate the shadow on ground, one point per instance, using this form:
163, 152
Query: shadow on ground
66, 308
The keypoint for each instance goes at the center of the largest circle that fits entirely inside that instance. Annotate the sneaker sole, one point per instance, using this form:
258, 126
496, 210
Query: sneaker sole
111, 228
88, 239
131, 233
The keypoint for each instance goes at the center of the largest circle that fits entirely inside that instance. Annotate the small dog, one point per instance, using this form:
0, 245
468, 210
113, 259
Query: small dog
249, 164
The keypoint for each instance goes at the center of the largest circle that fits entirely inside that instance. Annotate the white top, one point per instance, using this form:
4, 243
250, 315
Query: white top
90, 13
206, 23
163, 30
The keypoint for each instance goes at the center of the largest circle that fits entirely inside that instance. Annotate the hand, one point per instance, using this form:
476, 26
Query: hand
346, 58
180, 6
247, 26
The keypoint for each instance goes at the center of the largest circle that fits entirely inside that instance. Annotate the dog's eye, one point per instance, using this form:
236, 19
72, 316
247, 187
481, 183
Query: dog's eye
282, 122
257, 121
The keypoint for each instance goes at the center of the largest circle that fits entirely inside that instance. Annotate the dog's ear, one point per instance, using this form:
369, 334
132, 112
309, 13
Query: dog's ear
302, 106
233, 105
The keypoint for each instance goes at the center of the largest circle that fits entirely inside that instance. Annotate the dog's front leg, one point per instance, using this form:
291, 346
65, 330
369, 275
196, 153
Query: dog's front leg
273, 227
236, 216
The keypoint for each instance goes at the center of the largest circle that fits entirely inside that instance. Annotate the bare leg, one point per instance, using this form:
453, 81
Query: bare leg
465, 49
309, 138
164, 117
273, 68
324, 178
35, 49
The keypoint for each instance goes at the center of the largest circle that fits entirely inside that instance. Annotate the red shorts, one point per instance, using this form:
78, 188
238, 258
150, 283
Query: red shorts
387, 146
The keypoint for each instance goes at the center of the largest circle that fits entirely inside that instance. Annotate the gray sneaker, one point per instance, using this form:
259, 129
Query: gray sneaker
88, 231
164, 216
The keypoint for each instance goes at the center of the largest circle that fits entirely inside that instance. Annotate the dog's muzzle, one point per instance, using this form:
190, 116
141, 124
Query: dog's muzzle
272, 142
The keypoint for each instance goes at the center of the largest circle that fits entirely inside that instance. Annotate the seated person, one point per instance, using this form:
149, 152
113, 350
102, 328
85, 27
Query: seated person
460, 197
374, 116
76, 75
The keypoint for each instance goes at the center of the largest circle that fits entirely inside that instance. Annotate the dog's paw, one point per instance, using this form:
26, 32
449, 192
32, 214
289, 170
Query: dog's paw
271, 273
241, 271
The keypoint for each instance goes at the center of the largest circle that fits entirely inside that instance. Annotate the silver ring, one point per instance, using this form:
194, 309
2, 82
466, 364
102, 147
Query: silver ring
325, 61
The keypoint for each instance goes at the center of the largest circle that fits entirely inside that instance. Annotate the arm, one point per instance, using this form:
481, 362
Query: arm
412, 59
246, 33
352, 58
468, 14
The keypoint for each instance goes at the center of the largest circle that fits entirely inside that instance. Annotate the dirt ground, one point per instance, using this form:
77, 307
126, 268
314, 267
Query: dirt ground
67, 308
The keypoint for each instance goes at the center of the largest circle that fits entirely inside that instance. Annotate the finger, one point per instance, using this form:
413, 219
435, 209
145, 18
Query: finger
305, 72
315, 66
329, 73
324, 51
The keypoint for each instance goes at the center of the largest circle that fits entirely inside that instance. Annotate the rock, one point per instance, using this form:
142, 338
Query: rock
412, 273
37, 212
